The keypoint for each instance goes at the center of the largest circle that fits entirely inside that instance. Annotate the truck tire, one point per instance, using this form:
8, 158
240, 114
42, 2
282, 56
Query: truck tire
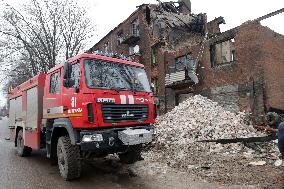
132, 155
69, 162
22, 150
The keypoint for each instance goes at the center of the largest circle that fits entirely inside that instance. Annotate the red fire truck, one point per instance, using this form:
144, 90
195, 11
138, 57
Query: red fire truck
90, 106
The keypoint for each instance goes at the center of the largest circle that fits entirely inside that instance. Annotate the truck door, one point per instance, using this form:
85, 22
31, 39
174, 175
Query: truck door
71, 98
32, 130
53, 107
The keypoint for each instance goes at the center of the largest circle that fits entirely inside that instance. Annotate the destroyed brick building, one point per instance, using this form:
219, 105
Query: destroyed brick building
184, 54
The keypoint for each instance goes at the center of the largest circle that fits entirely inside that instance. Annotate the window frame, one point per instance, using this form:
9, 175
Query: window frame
59, 82
135, 29
213, 53
132, 50
154, 56
79, 79
120, 37
179, 65
107, 47
155, 85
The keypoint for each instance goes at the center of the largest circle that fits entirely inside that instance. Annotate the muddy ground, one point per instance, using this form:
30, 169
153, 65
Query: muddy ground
230, 169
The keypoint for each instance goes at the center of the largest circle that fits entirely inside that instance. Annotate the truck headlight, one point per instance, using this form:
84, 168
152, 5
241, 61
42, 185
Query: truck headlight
93, 138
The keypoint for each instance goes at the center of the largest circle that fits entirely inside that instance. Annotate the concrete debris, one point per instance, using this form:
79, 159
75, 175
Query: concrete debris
174, 20
199, 118
257, 163
278, 162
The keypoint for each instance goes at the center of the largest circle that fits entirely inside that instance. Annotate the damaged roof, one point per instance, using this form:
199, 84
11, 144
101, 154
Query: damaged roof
175, 15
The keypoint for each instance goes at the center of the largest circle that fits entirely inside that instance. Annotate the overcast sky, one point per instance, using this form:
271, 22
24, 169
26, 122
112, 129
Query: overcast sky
107, 14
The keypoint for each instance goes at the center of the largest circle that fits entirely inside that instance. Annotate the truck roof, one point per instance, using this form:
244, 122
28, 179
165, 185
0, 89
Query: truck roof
85, 55
34, 81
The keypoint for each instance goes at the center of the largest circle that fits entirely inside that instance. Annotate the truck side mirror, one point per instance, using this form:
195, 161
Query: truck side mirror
68, 82
67, 75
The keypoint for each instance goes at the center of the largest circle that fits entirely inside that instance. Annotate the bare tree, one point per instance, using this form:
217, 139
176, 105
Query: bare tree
44, 33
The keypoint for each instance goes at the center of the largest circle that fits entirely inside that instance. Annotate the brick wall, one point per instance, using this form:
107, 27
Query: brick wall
258, 69
256, 74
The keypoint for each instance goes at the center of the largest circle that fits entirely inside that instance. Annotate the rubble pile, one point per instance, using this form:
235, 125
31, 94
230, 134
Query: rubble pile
199, 118
179, 132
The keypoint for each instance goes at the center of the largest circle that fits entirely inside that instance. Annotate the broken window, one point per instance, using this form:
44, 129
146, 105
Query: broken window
120, 37
154, 85
107, 47
184, 62
54, 83
134, 50
223, 52
135, 27
154, 56
148, 15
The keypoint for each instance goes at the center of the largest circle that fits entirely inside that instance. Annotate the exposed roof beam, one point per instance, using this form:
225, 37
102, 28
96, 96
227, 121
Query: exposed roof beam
270, 15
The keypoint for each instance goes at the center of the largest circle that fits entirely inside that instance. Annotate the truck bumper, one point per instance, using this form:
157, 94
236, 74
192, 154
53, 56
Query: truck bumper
115, 139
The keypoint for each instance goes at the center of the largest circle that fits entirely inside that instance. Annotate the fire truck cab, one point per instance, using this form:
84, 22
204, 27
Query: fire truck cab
92, 105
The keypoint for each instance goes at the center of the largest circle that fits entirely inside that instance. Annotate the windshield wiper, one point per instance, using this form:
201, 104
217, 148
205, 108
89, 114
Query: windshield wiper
117, 89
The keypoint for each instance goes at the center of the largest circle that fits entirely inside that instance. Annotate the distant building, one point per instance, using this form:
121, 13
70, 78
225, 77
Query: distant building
183, 54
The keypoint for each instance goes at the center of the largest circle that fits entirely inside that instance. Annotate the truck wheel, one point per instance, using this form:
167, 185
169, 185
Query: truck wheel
22, 150
69, 162
132, 155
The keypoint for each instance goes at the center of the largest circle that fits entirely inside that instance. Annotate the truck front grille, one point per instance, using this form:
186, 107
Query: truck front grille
115, 113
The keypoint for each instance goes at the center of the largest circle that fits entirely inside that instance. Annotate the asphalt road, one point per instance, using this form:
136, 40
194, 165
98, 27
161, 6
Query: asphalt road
36, 172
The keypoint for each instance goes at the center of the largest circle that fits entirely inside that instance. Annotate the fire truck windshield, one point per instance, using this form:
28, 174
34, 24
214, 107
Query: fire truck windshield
116, 76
